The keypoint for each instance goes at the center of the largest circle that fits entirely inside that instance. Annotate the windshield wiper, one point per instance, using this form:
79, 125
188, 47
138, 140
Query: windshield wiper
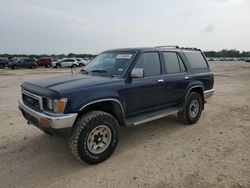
84, 71
102, 72
99, 71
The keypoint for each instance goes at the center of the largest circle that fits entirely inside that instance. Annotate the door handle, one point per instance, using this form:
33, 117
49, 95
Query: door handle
186, 77
160, 81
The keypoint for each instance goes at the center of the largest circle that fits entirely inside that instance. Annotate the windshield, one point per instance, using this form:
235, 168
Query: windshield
109, 63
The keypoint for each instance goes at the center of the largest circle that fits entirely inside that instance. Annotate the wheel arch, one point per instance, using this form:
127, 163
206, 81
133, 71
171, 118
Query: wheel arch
109, 105
199, 89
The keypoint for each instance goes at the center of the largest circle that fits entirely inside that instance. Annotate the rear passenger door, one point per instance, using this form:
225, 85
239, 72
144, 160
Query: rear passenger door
28, 63
66, 63
24, 63
177, 78
147, 93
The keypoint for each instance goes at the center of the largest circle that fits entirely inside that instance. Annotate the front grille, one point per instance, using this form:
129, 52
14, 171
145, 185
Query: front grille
31, 100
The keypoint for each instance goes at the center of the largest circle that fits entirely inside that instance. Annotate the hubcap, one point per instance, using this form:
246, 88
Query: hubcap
99, 139
194, 108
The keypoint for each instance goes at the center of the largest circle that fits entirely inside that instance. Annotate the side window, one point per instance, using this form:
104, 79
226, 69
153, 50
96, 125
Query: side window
196, 60
173, 63
150, 62
182, 66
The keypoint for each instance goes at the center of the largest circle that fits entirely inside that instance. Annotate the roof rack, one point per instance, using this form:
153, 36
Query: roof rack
169, 46
183, 48
190, 48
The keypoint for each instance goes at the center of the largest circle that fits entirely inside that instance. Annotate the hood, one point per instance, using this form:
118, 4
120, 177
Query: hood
68, 82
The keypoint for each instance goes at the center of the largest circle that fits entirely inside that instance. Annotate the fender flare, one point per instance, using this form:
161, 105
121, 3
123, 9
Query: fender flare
193, 87
120, 114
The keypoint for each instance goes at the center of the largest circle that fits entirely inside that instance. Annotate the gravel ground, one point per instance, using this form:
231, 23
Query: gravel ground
164, 153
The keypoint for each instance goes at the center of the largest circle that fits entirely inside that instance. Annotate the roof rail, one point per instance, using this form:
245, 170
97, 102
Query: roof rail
183, 48
190, 48
169, 46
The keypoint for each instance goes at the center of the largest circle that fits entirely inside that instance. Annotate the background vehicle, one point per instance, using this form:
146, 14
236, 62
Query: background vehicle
46, 62
81, 62
115, 89
3, 63
66, 62
23, 63
247, 60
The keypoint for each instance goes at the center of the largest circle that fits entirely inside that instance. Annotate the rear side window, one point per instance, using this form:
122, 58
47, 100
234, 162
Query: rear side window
150, 62
173, 63
196, 60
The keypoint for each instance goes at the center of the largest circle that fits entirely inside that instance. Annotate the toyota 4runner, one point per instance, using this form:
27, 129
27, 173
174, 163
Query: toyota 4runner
120, 87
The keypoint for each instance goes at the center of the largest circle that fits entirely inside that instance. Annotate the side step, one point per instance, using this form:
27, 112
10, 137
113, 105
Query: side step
150, 116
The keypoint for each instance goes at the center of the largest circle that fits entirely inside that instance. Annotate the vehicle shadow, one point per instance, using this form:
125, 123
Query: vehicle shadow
141, 134
50, 156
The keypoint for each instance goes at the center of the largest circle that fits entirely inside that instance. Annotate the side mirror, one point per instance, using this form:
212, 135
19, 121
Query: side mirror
137, 73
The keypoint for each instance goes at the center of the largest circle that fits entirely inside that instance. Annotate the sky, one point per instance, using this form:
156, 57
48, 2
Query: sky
92, 26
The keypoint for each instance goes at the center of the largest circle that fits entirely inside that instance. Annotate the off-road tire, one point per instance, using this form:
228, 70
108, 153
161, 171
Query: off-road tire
184, 115
82, 129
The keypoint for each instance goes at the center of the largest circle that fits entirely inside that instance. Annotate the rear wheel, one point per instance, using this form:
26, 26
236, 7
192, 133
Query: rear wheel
74, 66
2, 66
33, 66
14, 67
192, 109
94, 137
47, 66
58, 66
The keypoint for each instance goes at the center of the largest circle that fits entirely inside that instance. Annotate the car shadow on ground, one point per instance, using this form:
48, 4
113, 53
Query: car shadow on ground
50, 155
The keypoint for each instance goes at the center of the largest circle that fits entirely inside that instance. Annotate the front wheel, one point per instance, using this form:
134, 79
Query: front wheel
192, 109
94, 137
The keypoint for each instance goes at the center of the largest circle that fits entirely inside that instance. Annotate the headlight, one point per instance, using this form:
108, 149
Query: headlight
57, 105
49, 104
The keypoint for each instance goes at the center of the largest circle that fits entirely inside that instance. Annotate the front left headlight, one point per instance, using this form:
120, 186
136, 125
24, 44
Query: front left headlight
56, 105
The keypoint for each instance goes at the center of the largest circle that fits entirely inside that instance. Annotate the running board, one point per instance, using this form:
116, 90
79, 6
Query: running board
137, 120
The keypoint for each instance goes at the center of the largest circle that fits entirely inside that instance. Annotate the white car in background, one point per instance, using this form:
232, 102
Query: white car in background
66, 62
81, 62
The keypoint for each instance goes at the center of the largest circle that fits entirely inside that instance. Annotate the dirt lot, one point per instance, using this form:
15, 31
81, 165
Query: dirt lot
213, 153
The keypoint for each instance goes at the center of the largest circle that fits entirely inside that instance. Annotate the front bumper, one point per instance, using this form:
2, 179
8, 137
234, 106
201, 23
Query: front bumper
208, 93
47, 120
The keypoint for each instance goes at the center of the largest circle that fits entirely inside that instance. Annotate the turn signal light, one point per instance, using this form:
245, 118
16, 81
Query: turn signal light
44, 121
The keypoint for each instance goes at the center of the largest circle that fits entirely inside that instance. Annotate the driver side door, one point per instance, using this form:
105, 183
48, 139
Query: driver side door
147, 93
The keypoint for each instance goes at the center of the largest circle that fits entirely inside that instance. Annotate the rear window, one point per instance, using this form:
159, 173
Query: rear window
196, 60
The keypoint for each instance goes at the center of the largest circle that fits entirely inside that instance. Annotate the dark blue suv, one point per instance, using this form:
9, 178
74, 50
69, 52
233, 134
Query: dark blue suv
120, 87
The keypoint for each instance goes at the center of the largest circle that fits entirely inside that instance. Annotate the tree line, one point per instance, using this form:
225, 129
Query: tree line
227, 53
70, 55
222, 53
